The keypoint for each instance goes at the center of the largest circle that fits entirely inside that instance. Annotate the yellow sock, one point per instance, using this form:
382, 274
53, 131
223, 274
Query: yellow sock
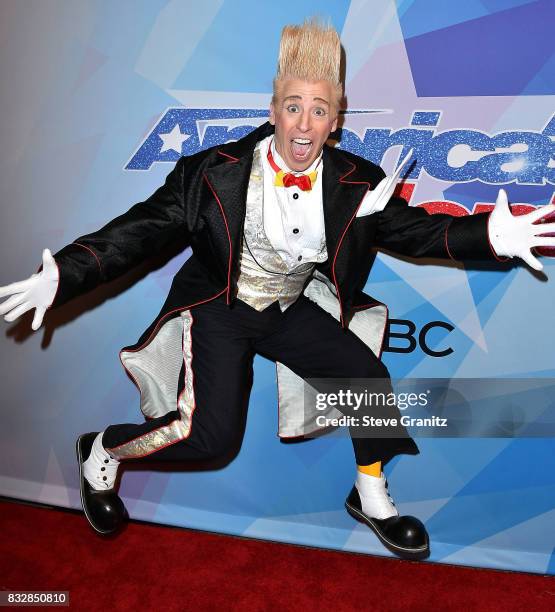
374, 469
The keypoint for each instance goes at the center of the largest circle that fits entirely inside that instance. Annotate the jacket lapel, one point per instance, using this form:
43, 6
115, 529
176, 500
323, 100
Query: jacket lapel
342, 193
229, 183
228, 180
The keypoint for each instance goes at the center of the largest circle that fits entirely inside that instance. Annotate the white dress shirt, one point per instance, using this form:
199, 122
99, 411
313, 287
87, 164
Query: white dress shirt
293, 219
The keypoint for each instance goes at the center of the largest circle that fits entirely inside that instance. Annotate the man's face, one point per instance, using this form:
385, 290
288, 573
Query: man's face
304, 115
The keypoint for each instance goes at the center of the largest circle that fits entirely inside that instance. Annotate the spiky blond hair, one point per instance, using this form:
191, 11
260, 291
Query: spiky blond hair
311, 52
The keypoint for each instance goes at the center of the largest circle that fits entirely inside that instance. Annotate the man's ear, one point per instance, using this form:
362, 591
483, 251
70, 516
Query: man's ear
334, 124
272, 114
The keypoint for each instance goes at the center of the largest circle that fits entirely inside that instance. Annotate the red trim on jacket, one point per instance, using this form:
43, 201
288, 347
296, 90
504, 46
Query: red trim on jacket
232, 159
91, 252
228, 300
58, 268
114, 448
447, 243
155, 331
341, 180
373, 305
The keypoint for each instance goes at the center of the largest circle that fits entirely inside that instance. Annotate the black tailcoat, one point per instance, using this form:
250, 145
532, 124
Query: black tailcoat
204, 199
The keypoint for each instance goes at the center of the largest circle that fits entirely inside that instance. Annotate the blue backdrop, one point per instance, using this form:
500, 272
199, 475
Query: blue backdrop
100, 99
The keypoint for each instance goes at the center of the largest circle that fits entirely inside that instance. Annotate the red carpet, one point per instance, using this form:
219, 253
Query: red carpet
149, 567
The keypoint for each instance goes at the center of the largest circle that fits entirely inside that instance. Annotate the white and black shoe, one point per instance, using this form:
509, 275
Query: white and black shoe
103, 507
370, 503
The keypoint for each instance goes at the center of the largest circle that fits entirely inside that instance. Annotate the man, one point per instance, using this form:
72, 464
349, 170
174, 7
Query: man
282, 229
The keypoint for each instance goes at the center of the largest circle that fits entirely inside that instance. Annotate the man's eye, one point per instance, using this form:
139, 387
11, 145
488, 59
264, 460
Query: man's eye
293, 108
319, 112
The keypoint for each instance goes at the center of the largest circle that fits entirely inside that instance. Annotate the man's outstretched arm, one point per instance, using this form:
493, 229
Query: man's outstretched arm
92, 259
412, 231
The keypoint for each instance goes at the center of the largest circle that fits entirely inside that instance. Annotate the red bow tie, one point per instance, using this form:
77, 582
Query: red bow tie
303, 181
282, 179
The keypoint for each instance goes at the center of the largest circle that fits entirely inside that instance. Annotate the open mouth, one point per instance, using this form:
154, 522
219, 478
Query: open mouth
300, 148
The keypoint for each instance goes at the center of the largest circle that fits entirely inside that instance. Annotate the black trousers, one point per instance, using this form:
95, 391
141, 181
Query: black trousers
224, 342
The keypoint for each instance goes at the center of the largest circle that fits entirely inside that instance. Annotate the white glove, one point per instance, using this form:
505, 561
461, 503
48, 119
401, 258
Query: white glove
512, 236
376, 200
37, 292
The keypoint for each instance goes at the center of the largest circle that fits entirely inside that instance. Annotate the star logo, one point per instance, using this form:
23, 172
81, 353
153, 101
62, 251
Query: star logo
173, 140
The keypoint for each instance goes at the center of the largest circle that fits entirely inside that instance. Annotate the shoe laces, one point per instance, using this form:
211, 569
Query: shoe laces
100, 469
375, 498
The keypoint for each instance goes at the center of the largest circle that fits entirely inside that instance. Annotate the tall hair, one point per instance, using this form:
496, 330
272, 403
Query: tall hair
310, 52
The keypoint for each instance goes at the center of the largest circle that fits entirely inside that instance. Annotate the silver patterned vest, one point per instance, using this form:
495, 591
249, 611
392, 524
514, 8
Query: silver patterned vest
264, 276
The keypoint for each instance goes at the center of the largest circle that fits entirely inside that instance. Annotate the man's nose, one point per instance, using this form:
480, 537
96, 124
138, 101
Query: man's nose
304, 122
